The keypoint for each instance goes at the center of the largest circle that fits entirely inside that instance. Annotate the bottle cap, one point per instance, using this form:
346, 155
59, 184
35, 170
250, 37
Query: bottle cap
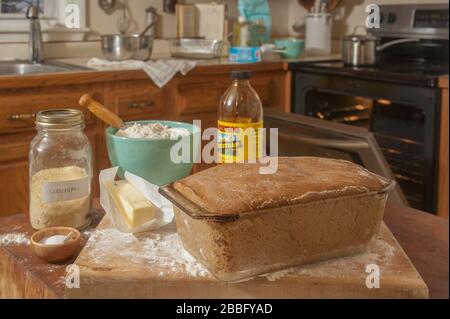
241, 75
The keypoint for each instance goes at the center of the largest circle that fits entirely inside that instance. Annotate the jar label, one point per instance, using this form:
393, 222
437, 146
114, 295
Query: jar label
239, 142
65, 190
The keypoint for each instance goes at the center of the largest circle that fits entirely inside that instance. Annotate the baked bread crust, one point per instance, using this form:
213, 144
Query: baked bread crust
233, 189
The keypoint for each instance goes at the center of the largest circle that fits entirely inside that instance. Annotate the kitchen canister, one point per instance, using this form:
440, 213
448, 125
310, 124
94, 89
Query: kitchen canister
318, 34
60, 171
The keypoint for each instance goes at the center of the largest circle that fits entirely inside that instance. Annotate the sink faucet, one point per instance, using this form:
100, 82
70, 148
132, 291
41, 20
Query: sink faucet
35, 43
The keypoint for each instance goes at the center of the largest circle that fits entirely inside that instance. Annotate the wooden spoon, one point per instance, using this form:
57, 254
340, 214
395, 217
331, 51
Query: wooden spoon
102, 112
333, 5
307, 4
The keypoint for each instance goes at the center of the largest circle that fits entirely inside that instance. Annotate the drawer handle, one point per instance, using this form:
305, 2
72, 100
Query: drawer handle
141, 105
22, 117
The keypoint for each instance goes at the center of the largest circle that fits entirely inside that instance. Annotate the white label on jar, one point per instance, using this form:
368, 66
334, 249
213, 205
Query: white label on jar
66, 190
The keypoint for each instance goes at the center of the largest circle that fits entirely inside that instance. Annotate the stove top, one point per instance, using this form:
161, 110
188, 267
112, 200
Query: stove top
410, 73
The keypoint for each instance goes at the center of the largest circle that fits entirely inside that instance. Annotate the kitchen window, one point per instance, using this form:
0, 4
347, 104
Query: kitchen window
14, 27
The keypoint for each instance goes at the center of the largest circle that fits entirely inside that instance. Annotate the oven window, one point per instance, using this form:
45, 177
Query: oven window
339, 108
398, 128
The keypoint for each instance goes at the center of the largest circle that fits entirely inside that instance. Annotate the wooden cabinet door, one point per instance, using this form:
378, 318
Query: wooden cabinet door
18, 107
17, 129
197, 96
443, 156
14, 174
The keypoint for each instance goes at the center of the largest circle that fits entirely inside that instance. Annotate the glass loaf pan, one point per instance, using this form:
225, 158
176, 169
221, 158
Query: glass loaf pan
237, 247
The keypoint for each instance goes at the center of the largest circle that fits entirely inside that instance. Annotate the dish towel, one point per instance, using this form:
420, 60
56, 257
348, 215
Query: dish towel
161, 71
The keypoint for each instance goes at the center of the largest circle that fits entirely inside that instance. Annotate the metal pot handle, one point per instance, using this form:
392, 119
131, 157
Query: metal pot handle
395, 42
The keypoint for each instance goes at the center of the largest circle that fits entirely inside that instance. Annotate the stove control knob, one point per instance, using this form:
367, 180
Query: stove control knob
392, 18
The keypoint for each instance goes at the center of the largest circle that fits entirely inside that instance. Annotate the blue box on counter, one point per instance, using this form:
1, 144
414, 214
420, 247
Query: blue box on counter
245, 54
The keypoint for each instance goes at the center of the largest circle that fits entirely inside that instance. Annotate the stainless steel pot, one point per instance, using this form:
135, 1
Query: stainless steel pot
117, 47
362, 49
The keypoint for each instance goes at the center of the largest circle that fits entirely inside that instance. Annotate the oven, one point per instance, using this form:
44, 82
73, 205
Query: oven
403, 119
305, 136
398, 99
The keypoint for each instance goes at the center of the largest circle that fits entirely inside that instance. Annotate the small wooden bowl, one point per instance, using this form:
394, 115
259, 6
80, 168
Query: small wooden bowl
55, 253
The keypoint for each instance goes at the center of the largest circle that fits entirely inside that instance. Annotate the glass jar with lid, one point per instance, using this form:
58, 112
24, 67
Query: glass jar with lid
60, 171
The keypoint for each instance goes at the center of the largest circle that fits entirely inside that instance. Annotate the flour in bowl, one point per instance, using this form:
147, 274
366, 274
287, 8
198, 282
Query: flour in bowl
153, 131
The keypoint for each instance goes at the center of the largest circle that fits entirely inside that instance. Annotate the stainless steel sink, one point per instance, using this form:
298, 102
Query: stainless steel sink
25, 67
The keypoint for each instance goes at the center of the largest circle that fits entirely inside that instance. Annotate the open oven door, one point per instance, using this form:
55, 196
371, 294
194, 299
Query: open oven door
299, 135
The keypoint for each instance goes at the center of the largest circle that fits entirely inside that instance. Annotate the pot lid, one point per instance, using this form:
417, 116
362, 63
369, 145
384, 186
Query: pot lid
355, 37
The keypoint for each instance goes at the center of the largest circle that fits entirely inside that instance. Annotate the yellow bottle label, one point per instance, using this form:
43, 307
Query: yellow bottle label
239, 142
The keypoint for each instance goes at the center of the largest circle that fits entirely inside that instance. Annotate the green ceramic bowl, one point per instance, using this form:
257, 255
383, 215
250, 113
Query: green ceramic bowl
293, 48
150, 158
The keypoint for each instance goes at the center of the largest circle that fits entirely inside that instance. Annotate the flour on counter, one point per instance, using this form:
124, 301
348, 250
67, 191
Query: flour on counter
379, 252
153, 131
162, 250
14, 239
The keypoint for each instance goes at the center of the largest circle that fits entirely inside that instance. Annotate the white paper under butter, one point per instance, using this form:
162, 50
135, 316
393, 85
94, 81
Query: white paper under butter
163, 208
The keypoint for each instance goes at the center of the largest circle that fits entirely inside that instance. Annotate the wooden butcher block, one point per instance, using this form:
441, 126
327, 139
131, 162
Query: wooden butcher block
117, 265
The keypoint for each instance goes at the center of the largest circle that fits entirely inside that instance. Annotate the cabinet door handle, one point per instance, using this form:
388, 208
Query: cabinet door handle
141, 105
22, 117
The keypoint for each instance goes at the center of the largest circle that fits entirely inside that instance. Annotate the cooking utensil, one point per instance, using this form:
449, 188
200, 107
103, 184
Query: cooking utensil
56, 253
362, 49
151, 16
151, 25
307, 4
118, 47
123, 24
151, 158
68, 237
101, 112
324, 6
107, 5
333, 5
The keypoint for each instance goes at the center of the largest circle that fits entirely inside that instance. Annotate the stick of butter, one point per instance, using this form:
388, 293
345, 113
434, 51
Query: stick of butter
134, 207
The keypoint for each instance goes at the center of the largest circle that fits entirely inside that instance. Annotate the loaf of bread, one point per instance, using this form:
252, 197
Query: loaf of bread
240, 188
312, 209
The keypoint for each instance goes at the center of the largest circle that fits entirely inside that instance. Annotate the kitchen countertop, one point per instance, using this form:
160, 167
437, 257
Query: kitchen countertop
221, 61
204, 67
424, 237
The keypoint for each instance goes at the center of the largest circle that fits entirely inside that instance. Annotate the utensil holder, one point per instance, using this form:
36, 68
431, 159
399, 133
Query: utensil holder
318, 34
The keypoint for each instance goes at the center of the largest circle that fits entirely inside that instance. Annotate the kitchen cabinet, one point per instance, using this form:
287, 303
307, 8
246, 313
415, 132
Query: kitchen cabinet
443, 152
18, 108
130, 94
201, 94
